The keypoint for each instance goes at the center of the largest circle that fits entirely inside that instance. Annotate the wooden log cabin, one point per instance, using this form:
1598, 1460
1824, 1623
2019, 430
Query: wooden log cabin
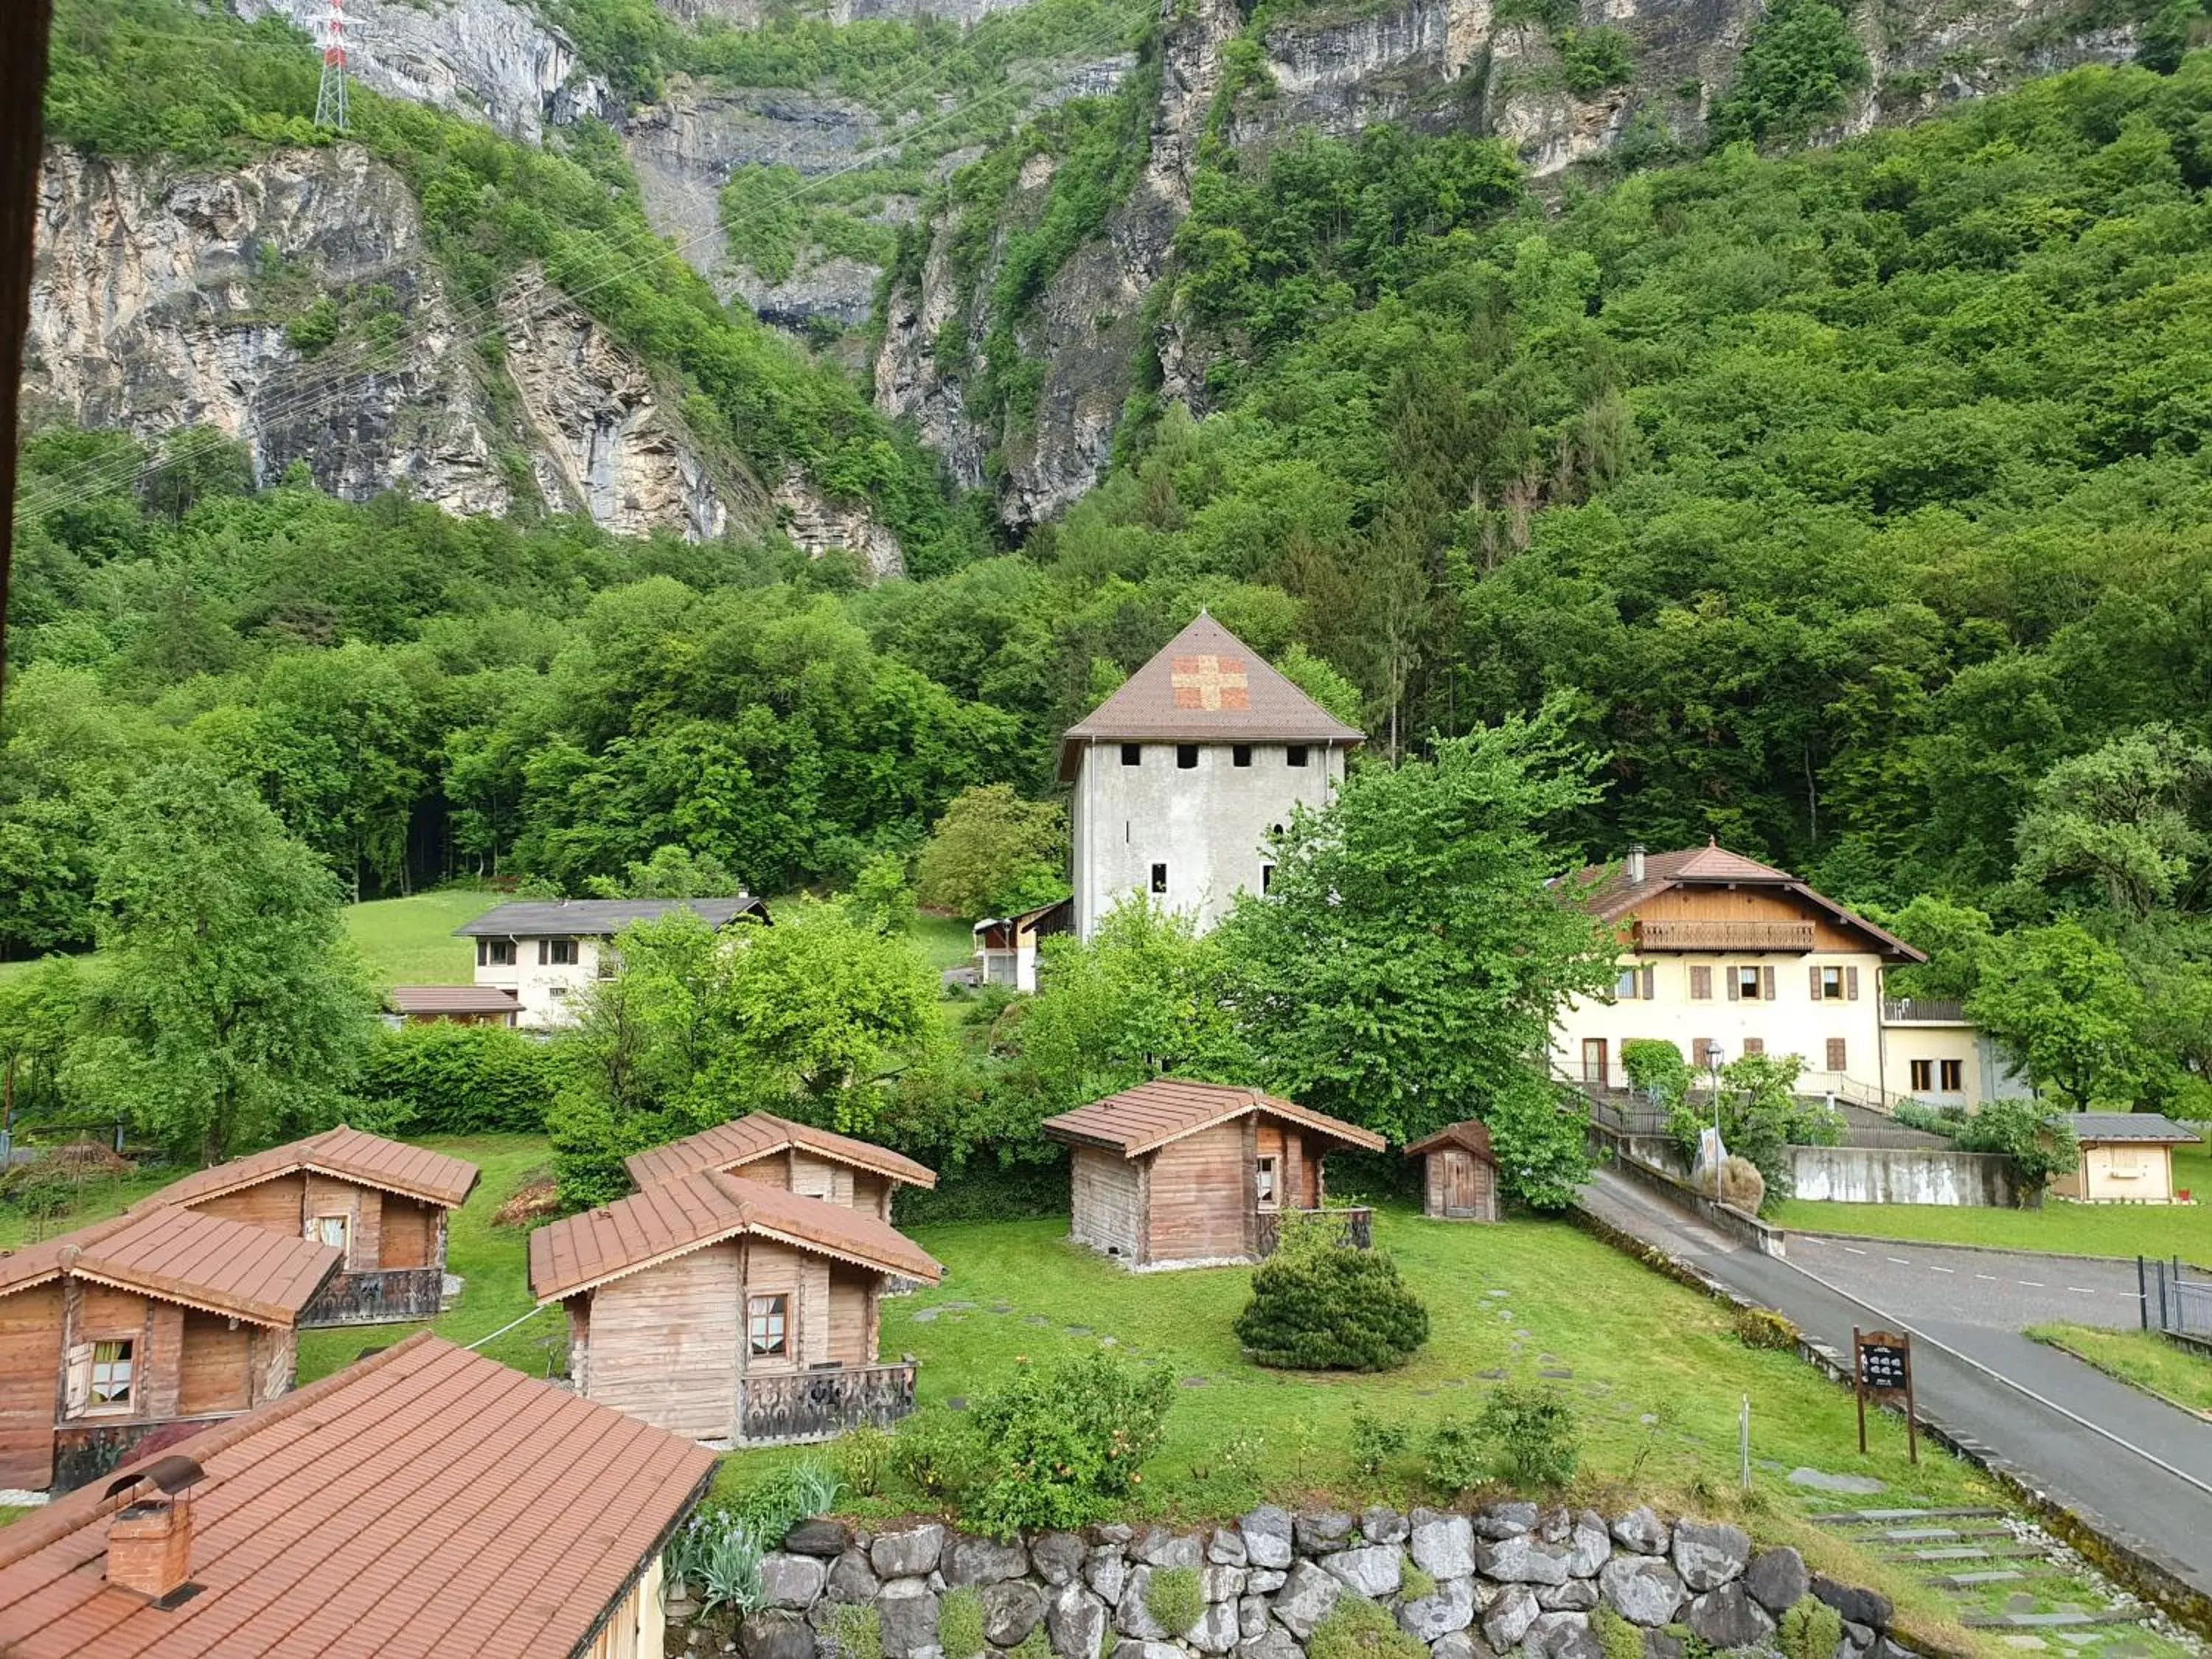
730, 1311
1459, 1173
113, 1333
426, 1500
797, 1156
381, 1203
1172, 1174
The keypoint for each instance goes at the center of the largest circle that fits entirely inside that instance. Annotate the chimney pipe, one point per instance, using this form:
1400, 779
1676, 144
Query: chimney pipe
149, 1547
1635, 871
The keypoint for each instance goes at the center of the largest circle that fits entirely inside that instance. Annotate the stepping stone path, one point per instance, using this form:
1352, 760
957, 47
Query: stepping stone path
1851, 1485
1036, 1319
1194, 1381
1558, 1374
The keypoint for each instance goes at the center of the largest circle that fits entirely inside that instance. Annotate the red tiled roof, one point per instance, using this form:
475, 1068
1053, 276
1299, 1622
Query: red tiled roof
426, 1501
451, 999
1205, 686
762, 1134
675, 1216
181, 1255
1149, 1116
1606, 892
1468, 1136
353, 1155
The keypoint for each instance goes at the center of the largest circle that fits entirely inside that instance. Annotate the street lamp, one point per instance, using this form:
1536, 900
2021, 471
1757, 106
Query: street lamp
1713, 1065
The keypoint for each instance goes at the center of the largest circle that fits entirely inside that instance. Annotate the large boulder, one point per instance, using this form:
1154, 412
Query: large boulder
1443, 1545
1859, 1606
1058, 1558
1507, 1520
1108, 1571
983, 1561
1641, 1531
913, 1553
1305, 1599
776, 1635
1075, 1619
1777, 1580
1011, 1611
1589, 1545
1642, 1588
1323, 1534
1509, 1617
1267, 1533
1217, 1631
1374, 1569
1709, 1553
1380, 1524
791, 1581
906, 1608
1727, 1618
1521, 1559
819, 1536
851, 1577
1159, 1547
1564, 1636
1451, 1607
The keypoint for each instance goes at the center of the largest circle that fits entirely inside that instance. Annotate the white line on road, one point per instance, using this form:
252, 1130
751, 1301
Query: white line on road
2035, 1283
1933, 1268
1854, 1250
1992, 1277
2081, 1290
1898, 1260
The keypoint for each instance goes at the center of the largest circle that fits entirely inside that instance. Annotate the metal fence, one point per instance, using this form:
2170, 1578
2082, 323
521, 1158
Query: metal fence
2176, 1299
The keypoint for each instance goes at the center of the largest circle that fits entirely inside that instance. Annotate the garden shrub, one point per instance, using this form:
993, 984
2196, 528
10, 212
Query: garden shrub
1811, 1630
1762, 1328
461, 1079
1331, 1309
1066, 1442
856, 1632
1530, 1428
1656, 1070
1741, 1186
863, 1455
1375, 1441
1175, 1599
960, 1623
1357, 1628
940, 1452
1456, 1460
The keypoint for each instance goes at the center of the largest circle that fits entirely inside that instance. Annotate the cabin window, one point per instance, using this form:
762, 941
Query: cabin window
768, 1326
1240, 754
1923, 1076
1836, 1054
1266, 877
1701, 985
328, 1230
1294, 755
1263, 1183
1186, 757
110, 1376
1954, 1076
1159, 878
1132, 754
495, 953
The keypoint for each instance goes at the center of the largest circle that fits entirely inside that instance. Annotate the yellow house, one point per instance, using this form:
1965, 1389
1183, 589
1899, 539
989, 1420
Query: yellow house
2127, 1158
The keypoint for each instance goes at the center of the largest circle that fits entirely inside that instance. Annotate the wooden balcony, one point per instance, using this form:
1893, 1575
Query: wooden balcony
1356, 1226
784, 1409
1922, 1011
384, 1297
1795, 937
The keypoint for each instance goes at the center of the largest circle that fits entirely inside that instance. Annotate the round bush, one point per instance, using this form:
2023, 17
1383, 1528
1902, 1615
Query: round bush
1332, 1310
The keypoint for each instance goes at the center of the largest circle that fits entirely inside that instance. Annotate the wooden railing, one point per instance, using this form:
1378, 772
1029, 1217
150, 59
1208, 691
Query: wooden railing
1356, 1226
816, 1404
1724, 935
381, 1297
1922, 1011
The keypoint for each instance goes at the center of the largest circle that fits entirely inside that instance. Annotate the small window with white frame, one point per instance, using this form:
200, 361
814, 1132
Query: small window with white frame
768, 1326
1626, 984
113, 1367
332, 1230
1266, 1190
1832, 984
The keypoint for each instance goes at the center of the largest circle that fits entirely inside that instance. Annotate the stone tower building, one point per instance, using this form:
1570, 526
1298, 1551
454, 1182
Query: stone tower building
1180, 773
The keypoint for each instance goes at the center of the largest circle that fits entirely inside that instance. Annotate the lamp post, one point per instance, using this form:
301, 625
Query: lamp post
1713, 1065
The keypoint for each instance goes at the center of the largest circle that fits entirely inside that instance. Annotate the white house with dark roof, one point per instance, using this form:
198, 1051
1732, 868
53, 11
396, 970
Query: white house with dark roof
1180, 775
546, 952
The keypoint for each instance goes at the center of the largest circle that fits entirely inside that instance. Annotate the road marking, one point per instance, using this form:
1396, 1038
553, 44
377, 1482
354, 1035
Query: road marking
1854, 1250
2081, 1290
1899, 1259
2035, 1283
1933, 1268
1992, 1277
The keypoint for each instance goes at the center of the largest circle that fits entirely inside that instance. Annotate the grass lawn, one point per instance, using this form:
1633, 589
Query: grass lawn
945, 941
2148, 1361
2119, 1230
410, 941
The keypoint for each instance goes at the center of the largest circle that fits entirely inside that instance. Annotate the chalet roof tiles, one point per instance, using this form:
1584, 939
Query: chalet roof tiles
688, 1212
599, 918
1469, 1136
354, 1155
451, 999
1607, 893
181, 1255
762, 1134
1205, 685
1151, 1116
427, 1501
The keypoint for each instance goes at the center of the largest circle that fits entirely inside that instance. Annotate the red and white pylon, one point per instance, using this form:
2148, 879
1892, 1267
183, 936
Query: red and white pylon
330, 97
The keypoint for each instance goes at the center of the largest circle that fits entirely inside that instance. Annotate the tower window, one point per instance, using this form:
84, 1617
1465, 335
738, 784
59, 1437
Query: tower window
1240, 754
1266, 877
1159, 878
1132, 754
1187, 757
1296, 754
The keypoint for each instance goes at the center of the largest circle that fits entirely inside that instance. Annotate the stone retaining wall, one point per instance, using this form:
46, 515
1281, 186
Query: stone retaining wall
1866, 1175
1507, 1576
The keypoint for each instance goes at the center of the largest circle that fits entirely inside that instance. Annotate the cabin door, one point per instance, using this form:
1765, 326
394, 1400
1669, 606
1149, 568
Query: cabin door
1594, 1067
1459, 1183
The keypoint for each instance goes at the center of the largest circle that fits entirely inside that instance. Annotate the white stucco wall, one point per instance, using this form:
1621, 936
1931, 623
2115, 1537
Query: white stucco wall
548, 992
1205, 824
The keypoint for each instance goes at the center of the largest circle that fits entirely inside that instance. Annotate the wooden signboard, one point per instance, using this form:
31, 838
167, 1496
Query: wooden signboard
1882, 1367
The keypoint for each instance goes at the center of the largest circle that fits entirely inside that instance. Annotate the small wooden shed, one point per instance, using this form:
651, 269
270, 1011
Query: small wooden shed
1461, 1174
1174, 1174
2127, 1158
797, 1156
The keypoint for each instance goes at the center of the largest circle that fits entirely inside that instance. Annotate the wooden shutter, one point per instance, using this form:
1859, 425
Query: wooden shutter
1649, 978
1766, 984
1701, 1051
1701, 984
1850, 985
1736, 993
77, 1387
1836, 1054
1813, 974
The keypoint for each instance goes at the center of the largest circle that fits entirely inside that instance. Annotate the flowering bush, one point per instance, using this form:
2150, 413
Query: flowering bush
1067, 1442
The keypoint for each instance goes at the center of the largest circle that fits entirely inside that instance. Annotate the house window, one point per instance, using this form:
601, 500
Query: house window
768, 1326
1754, 1045
556, 953
495, 953
1266, 877
1625, 986
1701, 984
328, 1230
1836, 1055
1159, 878
1923, 1076
1240, 754
110, 1376
1744, 983
1828, 984
1132, 754
1263, 1183
1294, 755
1954, 1077
1186, 757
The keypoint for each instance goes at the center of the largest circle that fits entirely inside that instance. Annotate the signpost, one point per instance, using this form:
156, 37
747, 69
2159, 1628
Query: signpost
1883, 1368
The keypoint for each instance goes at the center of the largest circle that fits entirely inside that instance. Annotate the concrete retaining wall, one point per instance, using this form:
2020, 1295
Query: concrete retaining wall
1868, 1174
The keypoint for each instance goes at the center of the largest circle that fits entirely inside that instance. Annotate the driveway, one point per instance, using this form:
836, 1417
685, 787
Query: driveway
2135, 1467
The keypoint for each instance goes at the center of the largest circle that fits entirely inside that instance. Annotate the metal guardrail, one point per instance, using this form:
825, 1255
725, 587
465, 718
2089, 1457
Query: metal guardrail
2176, 1299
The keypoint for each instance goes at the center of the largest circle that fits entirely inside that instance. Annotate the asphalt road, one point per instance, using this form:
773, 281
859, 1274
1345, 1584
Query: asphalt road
2138, 1481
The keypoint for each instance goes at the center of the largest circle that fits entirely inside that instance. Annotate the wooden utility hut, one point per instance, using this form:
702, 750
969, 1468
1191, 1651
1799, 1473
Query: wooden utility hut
1460, 1173
1172, 1174
426, 1500
731, 1310
381, 1203
117, 1331
453, 1005
797, 1156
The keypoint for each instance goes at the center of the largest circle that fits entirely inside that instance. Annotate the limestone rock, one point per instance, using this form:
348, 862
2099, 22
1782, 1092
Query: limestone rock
1264, 1581
1218, 1629
1305, 1599
1266, 1536
776, 1635
1505, 1520
906, 1608
1223, 1583
1380, 1524
1108, 1571
1132, 1618
1521, 1559
1251, 1618
1274, 1643
1859, 1606
1641, 1531
819, 1536
1589, 1545
1443, 1545
1075, 1619
791, 1581
1576, 1595
983, 1561
1460, 1644
1642, 1588
913, 1553
1728, 1617
1058, 1558
1159, 1547
1777, 1580
1709, 1553
851, 1577
1451, 1607
1373, 1570
1322, 1533
1509, 1617
1225, 1548
1564, 1636
1011, 1611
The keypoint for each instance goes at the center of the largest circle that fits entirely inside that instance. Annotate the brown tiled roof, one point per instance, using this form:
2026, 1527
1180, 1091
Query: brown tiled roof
353, 1155
672, 1218
426, 1501
1148, 1117
1469, 1136
180, 1255
1205, 686
600, 918
451, 999
763, 1134
1606, 892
